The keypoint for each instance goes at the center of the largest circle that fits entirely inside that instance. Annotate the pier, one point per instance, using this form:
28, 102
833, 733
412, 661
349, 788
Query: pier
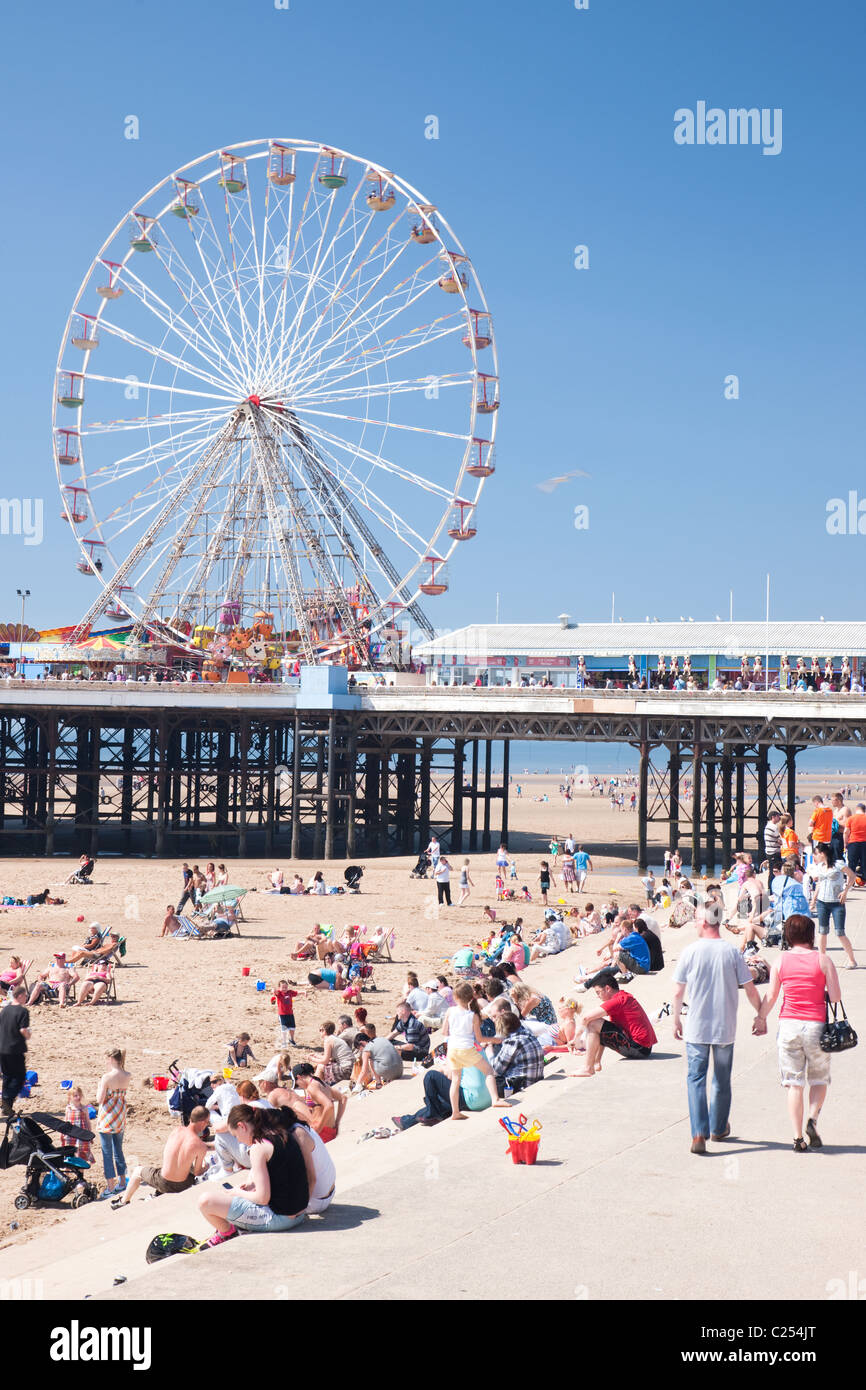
224, 770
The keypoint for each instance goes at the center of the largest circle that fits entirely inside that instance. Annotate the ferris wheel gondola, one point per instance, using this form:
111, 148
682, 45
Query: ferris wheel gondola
257, 431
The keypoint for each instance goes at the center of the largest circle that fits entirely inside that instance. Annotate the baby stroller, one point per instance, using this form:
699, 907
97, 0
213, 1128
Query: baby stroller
420, 869
353, 875
83, 874
52, 1173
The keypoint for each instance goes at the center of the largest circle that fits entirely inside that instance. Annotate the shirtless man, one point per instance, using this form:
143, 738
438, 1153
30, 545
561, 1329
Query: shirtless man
57, 977
841, 815
172, 921
182, 1160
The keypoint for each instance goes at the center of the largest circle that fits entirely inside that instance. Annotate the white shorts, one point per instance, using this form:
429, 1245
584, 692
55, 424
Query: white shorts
800, 1053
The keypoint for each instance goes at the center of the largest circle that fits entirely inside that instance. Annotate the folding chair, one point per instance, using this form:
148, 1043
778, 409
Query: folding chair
186, 929
383, 951
110, 995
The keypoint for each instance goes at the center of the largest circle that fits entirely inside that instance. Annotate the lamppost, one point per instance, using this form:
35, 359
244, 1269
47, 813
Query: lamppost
24, 595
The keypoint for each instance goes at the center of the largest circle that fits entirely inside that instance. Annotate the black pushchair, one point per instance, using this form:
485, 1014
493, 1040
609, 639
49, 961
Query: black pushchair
420, 869
83, 875
52, 1173
353, 875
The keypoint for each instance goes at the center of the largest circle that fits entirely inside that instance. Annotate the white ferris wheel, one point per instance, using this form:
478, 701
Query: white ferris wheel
277, 394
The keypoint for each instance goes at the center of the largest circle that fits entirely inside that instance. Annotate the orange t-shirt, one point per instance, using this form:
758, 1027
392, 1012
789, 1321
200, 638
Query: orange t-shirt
857, 828
790, 843
821, 825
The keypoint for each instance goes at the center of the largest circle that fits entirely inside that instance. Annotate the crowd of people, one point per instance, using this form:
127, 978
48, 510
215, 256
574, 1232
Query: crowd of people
481, 1033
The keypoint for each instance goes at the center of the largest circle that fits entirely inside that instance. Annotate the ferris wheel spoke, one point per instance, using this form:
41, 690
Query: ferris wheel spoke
231, 267
147, 462
159, 386
319, 260
363, 493
421, 335
389, 424
379, 461
159, 353
169, 316
343, 284
205, 235
370, 312
325, 396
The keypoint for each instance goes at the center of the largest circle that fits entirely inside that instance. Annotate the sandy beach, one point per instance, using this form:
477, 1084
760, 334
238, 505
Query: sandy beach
188, 999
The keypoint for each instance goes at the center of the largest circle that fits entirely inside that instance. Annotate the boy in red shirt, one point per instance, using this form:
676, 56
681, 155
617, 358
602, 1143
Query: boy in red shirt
283, 997
618, 1021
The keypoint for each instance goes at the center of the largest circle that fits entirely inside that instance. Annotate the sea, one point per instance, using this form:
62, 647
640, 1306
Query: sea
602, 759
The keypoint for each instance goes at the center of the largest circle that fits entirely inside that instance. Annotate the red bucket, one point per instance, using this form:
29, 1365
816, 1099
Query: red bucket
529, 1151
245, 970
514, 1149
160, 1083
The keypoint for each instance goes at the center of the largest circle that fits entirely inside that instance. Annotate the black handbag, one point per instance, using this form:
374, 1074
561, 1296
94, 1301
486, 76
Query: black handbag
837, 1035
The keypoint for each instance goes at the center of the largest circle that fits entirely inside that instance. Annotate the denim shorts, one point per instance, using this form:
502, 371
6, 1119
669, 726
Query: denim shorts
825, 912
250, 1216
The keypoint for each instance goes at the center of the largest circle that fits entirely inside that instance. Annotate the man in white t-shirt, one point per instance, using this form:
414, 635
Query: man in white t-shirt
712, 971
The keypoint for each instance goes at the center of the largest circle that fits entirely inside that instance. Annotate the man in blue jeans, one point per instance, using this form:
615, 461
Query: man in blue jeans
712, 971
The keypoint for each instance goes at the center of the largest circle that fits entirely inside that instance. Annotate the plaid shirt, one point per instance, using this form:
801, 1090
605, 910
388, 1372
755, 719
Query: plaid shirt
520, 1057
414, 1034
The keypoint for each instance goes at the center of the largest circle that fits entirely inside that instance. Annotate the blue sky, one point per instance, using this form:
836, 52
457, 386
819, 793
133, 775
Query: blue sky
556, 129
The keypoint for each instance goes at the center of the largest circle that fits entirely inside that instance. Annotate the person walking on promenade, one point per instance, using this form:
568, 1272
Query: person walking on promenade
711, 971
804, 976
829, 884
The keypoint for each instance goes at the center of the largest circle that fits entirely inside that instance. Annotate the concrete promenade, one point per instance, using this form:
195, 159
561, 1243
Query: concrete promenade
616, 1207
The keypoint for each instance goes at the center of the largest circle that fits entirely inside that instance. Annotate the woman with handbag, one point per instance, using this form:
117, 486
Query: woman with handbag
804, 977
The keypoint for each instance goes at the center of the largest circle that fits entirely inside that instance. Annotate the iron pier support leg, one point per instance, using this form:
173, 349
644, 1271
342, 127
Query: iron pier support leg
711, 812
727, 769
318, 837
244, 770
473, 814
50, 788
296, 789
488, 764
674, 799
351, 788
697, 787
763, 771
384, 800
331, 804
791, 760
642, 807
741, 798
457, 809
162, 785
506, 749
424, 793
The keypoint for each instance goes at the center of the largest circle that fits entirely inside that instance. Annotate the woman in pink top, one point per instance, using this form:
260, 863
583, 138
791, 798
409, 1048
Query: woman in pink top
802, 975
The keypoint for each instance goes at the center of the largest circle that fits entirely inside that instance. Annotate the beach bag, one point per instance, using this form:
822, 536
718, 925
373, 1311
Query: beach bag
837, 1034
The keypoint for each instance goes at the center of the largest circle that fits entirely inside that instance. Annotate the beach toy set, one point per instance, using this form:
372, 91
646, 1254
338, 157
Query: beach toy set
523, 1138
